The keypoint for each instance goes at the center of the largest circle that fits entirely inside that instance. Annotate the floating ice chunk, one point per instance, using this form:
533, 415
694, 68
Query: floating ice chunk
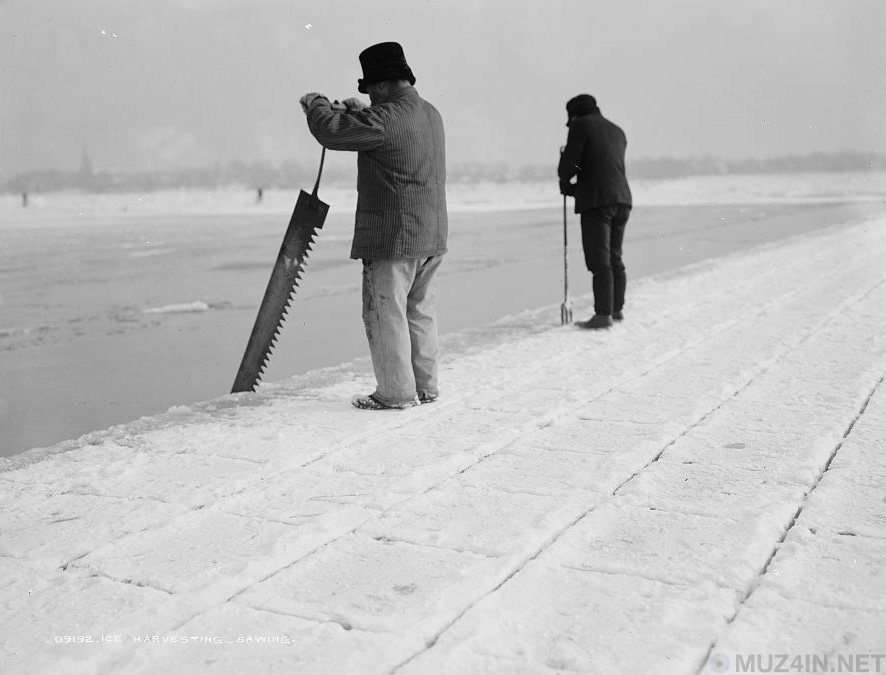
180, 308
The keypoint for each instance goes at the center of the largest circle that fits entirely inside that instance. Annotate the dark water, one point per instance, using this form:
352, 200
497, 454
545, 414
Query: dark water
79, 353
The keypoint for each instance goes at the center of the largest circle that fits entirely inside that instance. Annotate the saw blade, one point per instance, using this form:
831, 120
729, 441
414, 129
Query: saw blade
307, 217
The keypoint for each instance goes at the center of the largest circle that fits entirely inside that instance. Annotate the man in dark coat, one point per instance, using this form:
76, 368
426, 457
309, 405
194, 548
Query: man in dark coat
401, 227
595, 154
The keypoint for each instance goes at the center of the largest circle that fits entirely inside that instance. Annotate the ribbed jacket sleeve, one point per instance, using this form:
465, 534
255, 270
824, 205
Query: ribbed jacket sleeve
570, 160
343, 130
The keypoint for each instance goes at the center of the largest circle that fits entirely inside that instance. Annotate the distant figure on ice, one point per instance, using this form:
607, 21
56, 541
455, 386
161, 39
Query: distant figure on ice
401, 227
24, 198
595, 154
259, 193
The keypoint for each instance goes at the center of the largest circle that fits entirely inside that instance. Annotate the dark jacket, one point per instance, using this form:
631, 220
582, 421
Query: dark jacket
401, 174
595, 152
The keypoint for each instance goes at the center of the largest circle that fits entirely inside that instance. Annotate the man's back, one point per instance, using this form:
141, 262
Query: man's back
401, 185
595, 152
401, 174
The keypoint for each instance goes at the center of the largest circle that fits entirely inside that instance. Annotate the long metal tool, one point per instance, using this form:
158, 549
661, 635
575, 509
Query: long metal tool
566, 305
307, 217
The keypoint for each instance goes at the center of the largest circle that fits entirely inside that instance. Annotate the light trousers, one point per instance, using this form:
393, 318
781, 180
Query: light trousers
401, 326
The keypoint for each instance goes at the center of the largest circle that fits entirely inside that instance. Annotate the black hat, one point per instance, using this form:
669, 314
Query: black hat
384, 61
583, 104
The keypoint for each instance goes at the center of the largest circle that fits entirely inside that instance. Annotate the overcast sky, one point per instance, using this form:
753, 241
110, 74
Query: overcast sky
162, 83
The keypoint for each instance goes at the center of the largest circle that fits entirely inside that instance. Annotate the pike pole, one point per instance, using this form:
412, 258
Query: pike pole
566, 306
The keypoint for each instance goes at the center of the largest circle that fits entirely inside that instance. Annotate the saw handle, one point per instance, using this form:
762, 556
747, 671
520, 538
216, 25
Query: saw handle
319, 173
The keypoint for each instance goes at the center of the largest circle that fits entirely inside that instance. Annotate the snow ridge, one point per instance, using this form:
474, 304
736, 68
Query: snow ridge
711, 658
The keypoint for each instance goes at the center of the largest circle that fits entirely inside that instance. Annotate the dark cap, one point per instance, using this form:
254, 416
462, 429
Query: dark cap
583, 104
384, 61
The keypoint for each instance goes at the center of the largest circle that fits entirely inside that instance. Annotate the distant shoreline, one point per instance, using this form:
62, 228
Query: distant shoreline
74, 206
289, 175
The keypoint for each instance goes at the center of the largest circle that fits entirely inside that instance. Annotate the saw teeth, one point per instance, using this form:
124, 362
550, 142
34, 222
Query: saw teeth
288, 272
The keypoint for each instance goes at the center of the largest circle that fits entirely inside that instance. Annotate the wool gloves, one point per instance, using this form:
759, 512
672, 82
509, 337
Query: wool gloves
354, 104
308, 101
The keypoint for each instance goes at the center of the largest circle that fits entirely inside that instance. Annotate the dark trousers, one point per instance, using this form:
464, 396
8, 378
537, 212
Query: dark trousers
602, 234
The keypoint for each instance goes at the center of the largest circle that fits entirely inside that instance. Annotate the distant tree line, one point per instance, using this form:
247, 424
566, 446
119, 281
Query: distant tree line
252, 174
667, 167
293, 175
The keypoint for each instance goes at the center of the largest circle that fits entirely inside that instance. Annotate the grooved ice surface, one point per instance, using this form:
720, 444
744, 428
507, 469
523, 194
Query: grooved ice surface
702, 481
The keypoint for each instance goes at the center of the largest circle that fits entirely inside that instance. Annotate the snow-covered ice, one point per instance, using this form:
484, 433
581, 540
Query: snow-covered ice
178, 308
696, 487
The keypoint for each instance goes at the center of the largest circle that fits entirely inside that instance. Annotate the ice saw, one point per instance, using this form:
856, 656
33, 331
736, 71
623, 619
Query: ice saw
307, 218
